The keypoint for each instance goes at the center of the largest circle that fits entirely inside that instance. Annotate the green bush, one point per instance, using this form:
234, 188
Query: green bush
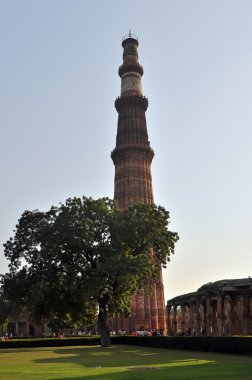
50, 342
229, 345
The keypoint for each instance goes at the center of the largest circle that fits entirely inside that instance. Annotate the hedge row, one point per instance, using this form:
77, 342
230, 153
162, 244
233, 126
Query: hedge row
228, 345
50, 342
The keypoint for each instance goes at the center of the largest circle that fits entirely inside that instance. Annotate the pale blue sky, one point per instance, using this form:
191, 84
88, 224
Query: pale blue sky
58, 83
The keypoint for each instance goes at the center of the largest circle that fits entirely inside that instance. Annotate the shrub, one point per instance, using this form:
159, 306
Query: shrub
222, 344
50, 342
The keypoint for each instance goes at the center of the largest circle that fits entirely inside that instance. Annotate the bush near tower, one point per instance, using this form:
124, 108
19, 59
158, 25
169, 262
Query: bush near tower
84, 260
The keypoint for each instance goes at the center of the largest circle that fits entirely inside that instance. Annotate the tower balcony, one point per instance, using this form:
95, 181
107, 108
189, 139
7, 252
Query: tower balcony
127, 151
134, 100
135, 67
130, 35
129, 38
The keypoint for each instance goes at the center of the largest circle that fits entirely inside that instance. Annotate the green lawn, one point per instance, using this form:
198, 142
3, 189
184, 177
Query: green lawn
120, 363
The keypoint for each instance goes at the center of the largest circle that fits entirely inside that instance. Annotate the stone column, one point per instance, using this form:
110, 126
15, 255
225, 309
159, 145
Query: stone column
250, 317
227, 316
208, 316
214, 317
197, 318
191, 320
169, 327
219, 316
203, 317
183, 306
245, 314
233, 316
175, 322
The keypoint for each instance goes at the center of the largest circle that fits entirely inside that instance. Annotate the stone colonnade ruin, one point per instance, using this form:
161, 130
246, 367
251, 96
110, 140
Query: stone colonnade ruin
217, 308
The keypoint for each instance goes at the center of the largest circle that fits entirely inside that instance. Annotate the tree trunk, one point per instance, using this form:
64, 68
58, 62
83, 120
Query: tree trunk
103, 328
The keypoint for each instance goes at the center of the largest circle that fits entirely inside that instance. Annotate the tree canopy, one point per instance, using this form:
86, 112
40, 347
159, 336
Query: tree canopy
85, 258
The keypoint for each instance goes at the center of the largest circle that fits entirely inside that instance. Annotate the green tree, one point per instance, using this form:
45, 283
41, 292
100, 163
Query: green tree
85, 259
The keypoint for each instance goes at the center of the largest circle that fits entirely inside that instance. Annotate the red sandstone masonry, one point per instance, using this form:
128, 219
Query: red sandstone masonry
132, 158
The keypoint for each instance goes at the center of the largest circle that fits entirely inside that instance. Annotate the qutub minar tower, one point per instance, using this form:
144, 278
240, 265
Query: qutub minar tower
132, 158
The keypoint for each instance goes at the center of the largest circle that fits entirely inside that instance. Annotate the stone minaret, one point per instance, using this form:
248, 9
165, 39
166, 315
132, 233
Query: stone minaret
132, 158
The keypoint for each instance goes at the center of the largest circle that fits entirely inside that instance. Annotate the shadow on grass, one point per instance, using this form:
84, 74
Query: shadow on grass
126, 363
173, 372
122, 362
118, 356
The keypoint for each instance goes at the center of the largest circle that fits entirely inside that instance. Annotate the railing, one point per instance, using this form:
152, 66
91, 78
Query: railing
130, 35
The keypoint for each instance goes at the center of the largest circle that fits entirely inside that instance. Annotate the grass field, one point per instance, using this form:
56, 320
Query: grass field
120, 363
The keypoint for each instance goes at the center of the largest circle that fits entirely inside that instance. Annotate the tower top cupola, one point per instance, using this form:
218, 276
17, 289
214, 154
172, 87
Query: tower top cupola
130, 71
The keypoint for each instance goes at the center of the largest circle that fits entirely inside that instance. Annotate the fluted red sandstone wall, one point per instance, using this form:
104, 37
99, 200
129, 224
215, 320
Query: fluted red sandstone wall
132, 158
